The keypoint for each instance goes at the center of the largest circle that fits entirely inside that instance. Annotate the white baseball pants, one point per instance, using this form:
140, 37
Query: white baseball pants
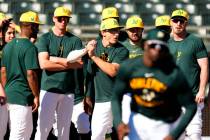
144, 128
102, 120
21, 124
3, 121
126, 108
49, 104
194, 129
80, 119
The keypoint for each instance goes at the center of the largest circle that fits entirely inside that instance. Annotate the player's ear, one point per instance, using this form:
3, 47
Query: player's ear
103, 33
54, 19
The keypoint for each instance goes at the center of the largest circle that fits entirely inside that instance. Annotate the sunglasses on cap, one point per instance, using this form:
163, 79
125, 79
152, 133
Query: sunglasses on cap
176, 20
157, 45
62, 18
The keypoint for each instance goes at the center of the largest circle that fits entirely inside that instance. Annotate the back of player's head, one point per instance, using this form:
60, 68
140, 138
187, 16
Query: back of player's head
163, 20
30, 17
110, 12
62, 12
163, 23
134, 22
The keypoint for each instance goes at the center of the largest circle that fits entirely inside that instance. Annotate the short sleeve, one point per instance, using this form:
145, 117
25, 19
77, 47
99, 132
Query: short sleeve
42, 43
201, 51
31, 58
121, 55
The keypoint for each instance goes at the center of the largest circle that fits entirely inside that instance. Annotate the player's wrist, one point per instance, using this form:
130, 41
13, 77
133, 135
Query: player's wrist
93, 57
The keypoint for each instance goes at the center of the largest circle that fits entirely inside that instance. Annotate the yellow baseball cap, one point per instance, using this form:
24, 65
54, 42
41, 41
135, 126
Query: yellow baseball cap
110, 12
134, 22
30, 16
180, 13
109, 23
62, 12
17, 28
3, 16
162, 21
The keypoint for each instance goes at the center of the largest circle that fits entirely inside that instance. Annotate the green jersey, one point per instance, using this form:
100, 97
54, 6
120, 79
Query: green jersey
19, 55
103, 83
59, 81
134, 50
157, 92
186, 53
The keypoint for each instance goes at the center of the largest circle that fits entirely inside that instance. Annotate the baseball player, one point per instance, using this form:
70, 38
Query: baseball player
112, 12
106, 55
108, 12
159, 90
7, 34
58, 81
80, 116
191, 56
163, 23
19, 78
134, 28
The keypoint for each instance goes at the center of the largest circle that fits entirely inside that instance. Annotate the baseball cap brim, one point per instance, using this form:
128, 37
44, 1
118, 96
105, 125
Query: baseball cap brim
179, 17
119, 27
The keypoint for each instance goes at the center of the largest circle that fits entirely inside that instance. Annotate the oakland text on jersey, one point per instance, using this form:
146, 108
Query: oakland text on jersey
146, 91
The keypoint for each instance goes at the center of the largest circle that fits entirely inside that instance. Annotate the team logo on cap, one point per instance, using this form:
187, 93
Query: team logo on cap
32, 19
65, 11
160, 34
163, 20
180, 12
134, 21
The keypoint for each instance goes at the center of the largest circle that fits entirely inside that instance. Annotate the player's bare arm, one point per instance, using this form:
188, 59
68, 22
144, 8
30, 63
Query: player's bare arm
65, 63
109, 68
45, 63
2, 96
122, 130
88, 105
203, 63
3, 76
168, 138
33, 83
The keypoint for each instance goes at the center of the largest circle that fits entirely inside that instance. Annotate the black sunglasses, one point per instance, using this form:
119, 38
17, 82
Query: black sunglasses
60, 19
176, 20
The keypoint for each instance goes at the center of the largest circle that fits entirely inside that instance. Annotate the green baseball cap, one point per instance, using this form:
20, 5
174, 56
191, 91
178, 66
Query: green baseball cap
157, 35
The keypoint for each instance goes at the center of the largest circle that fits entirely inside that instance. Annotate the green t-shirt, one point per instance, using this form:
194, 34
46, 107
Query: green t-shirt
59, 81
157, 92
19, 56
134, 50
186, 53
103, 83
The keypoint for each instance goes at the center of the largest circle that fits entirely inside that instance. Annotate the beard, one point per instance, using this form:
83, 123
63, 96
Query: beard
135, 38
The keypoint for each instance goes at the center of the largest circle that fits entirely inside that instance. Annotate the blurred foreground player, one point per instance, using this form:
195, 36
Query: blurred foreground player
159, 90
